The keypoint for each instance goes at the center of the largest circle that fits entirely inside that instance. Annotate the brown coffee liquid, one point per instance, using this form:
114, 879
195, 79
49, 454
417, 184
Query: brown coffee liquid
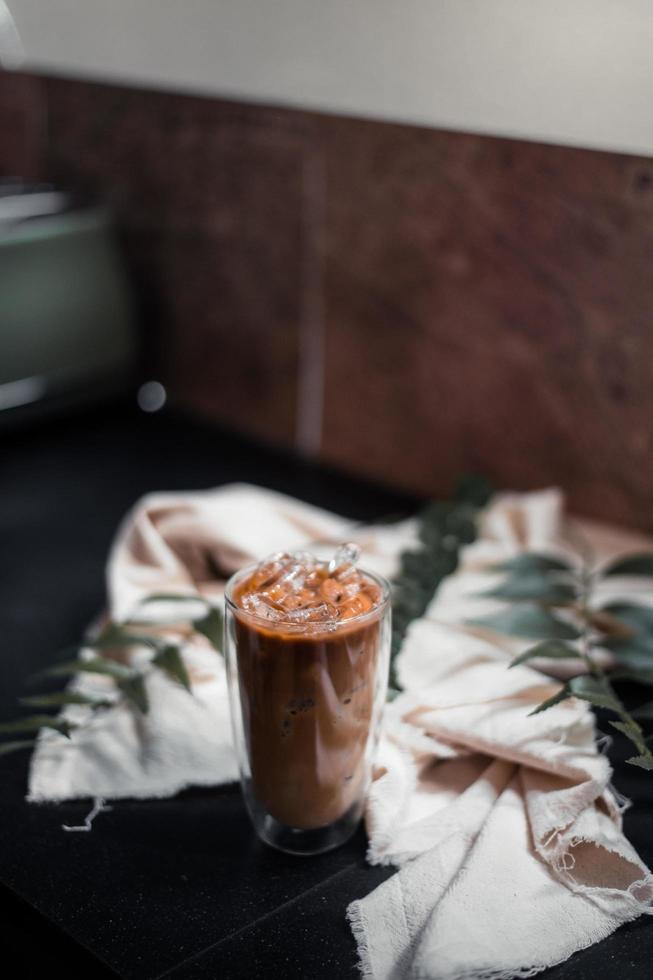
307, 702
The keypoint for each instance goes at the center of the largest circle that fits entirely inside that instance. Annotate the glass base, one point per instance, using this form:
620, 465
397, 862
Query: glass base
293, 840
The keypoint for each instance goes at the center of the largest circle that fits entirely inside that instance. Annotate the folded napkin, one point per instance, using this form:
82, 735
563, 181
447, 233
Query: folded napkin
506, 832
504, 827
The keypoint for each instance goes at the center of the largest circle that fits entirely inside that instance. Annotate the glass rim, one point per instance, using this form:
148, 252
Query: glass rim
320, 626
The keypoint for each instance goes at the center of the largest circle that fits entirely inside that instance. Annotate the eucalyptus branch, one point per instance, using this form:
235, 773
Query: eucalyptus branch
443, 527
551, 584
111, 659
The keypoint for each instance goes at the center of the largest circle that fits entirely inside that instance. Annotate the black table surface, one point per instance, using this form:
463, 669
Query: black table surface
176, 887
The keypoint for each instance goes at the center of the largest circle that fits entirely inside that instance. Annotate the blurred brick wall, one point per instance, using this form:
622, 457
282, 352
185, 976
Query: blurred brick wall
403, 303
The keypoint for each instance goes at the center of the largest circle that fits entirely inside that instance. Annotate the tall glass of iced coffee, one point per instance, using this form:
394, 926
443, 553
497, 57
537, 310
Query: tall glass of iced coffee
308, 646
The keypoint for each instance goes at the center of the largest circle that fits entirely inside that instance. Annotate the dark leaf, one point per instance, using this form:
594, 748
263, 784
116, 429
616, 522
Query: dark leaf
33, 723
119, 637
60, 698
461, 528
442, 528
632, 654
643, 761
408, 588
97, 665
7, 747
633, 732
562, 695
529, 621
641, 564
474, 489
170, 660
596, 690
392, 518
551, 649
637, 618
417, 565
530, 562
134, 690
535, 587
211, 626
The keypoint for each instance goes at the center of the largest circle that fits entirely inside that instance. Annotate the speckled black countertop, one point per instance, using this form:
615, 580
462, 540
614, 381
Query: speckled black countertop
178, 887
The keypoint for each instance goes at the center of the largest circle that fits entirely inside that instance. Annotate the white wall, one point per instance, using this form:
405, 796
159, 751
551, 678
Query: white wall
569, 71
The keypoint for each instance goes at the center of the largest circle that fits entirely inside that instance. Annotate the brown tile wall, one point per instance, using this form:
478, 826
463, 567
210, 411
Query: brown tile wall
209, 197
493, 310
22, 126
404, 303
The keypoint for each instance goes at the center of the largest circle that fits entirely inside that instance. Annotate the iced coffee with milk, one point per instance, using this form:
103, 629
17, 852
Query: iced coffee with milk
307, 651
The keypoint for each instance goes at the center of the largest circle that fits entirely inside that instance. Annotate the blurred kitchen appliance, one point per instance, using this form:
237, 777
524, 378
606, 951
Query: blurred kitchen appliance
66, 324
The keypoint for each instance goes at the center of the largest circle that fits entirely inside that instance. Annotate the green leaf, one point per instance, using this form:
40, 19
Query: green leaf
474, 489
96, 665
596, 690
60, 698
442, 528
640, 564
169, 659
417, 566
643, 761
633, 732
25, 743
134, 690
529, 621
211, 626
633, 654
562, 695
551, 649
635, 617
535, 587
530, 562
33, 723
116, 636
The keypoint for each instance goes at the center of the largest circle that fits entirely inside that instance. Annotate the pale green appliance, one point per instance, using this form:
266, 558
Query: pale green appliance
66, 324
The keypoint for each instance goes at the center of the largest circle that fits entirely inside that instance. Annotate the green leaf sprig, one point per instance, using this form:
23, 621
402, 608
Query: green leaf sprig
110, 648
540, 587
443, 528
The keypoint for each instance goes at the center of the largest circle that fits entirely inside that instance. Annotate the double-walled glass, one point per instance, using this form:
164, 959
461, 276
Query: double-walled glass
306, 704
